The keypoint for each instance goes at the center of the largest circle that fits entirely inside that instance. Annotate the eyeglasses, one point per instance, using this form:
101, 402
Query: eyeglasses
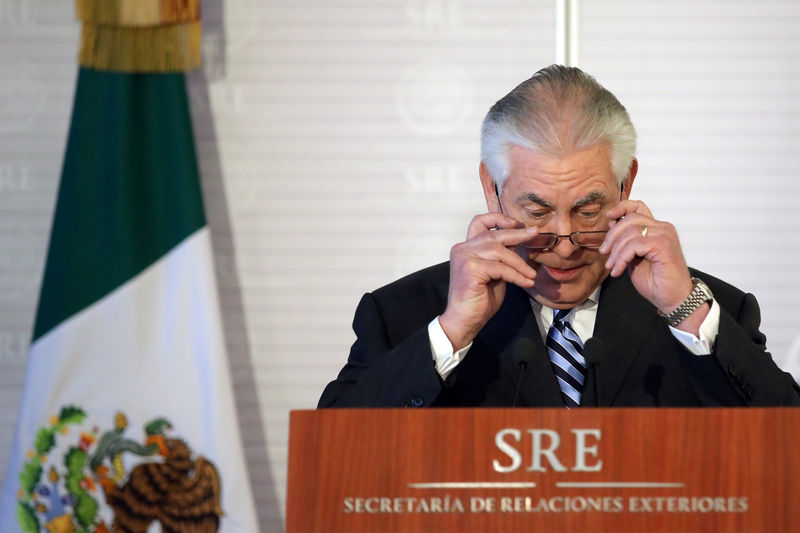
582, 239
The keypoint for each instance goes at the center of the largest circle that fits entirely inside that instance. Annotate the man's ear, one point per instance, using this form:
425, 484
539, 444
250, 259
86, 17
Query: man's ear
627, 185
489, 189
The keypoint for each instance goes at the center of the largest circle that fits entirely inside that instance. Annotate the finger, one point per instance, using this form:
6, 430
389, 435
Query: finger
488, 221
654, 240
490, 248
628, 207
497, 251
621, 256
496, 270
512, 237
618, 244
629, 227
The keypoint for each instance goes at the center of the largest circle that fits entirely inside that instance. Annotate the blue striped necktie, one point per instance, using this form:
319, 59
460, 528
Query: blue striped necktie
566, 353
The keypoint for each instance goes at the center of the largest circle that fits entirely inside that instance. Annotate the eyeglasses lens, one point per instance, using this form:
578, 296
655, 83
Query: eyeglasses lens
586, 239
539, 242
589, 239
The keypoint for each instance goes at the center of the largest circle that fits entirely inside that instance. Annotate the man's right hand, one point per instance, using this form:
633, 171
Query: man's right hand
480, 267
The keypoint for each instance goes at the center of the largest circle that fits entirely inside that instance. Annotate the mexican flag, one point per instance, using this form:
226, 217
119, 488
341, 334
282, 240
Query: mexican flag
127, 420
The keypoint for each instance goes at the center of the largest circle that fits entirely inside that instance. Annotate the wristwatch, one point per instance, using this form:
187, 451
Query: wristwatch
700, 294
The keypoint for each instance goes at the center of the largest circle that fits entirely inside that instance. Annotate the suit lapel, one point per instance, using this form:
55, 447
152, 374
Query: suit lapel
624, 320
512, 334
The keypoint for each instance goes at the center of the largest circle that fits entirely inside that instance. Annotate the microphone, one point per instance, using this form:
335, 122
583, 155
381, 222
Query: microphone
652, 383
523, 349
593, 352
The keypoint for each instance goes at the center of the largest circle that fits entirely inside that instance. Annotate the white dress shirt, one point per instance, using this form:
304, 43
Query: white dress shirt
582, 318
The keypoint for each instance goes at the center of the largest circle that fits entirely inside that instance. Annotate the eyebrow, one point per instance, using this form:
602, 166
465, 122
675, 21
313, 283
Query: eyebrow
535, 198
590, 198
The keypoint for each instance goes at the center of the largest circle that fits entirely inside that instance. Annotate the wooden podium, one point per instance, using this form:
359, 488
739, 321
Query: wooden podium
544, 470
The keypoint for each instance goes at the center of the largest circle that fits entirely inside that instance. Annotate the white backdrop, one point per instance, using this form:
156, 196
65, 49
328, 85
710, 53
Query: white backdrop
339, 148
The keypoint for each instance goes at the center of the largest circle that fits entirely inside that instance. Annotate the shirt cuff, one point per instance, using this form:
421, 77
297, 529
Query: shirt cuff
444, 358
708, 333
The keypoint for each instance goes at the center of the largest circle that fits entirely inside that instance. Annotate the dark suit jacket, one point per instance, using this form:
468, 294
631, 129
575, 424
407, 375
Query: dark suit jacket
633, 361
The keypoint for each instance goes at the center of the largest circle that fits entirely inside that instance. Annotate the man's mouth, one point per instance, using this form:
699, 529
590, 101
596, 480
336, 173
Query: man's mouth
563, 274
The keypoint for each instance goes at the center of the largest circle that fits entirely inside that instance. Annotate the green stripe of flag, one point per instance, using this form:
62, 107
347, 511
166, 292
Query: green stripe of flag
129, 189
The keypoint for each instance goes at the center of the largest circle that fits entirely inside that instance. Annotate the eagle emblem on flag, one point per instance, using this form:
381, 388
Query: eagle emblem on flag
81, 479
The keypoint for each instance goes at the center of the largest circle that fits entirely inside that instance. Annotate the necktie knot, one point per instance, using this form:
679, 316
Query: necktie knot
560, 315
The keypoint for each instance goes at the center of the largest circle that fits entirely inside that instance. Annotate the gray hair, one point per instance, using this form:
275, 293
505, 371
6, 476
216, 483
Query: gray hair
559, 110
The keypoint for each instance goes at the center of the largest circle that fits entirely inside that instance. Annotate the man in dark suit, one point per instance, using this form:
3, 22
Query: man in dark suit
566, 292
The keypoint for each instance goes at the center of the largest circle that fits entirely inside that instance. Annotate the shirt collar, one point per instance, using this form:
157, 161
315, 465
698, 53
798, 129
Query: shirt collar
547, 312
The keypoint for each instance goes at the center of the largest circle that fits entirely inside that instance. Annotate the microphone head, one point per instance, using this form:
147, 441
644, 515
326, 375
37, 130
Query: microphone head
593, 351
653, 380
523, 348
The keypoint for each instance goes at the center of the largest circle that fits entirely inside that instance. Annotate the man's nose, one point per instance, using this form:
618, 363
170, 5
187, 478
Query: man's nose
564, 247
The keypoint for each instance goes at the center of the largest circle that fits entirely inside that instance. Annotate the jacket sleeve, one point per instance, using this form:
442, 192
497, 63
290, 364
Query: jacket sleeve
742, 355
380, 374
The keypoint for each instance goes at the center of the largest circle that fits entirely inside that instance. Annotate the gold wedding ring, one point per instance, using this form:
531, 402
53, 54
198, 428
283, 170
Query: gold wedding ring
644, 230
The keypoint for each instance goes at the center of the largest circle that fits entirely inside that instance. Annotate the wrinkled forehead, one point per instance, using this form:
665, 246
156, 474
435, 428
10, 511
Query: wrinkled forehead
581, 177
592, 198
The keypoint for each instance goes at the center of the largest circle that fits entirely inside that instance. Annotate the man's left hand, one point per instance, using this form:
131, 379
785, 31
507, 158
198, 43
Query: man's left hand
651, 253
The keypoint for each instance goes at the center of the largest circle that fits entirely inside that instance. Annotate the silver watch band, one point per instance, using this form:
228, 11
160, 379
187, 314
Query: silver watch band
700, 294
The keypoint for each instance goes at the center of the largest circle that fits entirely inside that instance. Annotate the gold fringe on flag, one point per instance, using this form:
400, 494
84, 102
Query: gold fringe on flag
140, 35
